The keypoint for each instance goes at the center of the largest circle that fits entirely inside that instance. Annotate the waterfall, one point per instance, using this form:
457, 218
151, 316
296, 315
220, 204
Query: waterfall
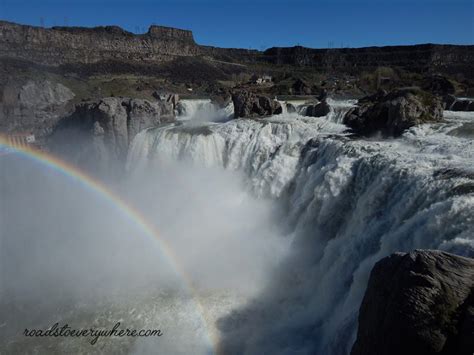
292, 107
203, 110
339, 108
348, 203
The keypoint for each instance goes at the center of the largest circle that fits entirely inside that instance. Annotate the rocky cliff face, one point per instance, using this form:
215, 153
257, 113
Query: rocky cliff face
418, 303
96, 136
36, 106
448, 59
70, 45
76, 45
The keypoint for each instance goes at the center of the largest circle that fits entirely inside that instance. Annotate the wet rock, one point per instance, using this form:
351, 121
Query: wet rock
453, 103
448, 101
393, 113
290, 108
318, 110
462, 105
418, 303
250, 105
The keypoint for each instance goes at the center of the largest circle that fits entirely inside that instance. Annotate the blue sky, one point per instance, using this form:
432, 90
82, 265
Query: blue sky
261, 24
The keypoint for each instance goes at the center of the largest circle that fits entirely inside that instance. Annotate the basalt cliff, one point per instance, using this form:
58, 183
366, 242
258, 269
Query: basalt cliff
46, 72
77, 45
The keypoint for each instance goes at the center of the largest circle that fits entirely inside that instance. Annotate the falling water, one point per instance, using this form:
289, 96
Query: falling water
348, 202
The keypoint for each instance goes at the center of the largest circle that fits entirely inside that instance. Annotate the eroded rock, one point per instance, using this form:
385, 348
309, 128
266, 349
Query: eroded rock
391, 114
35, 106
97, 134
418, 303
318, 110
250, 105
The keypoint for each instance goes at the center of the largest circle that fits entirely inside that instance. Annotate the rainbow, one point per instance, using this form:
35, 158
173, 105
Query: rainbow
7, 147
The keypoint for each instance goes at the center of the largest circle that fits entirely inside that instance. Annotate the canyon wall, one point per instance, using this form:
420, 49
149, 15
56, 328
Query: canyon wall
450, 59
77, 45
72, 45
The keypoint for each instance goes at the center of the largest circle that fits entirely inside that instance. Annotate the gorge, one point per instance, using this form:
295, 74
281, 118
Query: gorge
238, 218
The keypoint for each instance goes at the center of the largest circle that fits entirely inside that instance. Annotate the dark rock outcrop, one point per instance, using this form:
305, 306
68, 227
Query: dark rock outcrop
97, 135
393, 113
250, 105
318, 110
452, 103
418, 303
448, 101
290, 108
462, 105
439, 85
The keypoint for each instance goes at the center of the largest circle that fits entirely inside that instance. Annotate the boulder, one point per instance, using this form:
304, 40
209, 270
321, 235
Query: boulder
393, 113
290, 108
418, 303
318, 110
250, 105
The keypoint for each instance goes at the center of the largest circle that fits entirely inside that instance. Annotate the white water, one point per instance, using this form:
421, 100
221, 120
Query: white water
338, 108
204, 110
347, 204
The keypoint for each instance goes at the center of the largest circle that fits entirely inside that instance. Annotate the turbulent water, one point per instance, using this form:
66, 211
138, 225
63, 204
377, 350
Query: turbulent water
264, 232
345, 203
203, 110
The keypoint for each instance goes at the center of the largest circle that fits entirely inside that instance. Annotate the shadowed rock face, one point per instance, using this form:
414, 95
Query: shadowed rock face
418, 303
96, 136
318, 110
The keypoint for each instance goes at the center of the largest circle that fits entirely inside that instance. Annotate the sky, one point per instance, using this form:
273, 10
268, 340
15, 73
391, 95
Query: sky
260, 24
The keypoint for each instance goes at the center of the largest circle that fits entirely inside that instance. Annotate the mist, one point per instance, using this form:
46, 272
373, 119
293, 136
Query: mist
69, 254
266, 232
